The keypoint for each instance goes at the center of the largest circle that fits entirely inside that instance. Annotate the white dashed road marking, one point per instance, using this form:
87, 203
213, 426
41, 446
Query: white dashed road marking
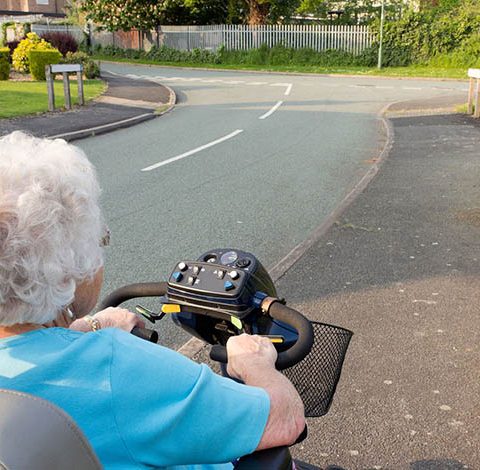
191, 152
269, 113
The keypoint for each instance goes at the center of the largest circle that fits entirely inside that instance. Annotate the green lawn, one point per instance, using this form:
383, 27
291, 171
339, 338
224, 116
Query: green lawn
22, 98
410, 72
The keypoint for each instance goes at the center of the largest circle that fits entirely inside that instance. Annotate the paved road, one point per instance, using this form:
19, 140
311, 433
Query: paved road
255, 161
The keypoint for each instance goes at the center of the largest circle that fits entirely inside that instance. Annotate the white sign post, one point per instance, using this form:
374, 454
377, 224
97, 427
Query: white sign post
474, 92
64, 69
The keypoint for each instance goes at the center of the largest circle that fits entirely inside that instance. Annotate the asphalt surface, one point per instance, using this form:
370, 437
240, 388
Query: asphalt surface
126, 102
401, 268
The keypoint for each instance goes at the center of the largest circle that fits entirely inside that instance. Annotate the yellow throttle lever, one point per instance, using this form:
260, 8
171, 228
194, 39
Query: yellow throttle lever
154, 316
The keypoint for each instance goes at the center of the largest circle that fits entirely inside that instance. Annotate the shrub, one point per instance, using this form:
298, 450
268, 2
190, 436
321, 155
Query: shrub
4, 63
12, 45
20, 54
466, 56
76, 58
64, 42
39, 59
91, 68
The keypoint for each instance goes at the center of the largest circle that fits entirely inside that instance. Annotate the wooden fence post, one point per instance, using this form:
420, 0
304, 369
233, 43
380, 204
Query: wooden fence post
66, 91
81, 99
471, 91
476, 113
474, 93
50, 88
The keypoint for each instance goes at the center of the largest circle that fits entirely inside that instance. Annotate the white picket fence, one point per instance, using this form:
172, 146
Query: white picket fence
352, 39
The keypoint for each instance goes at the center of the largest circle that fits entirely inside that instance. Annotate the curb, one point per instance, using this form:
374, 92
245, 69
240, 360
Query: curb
93, 131
278, 270
105, 128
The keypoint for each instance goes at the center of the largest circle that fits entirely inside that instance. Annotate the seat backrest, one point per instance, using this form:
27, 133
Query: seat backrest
35, 434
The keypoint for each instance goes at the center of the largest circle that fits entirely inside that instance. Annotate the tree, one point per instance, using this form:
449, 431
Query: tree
350, 11
124, 15
255, 12
207, 11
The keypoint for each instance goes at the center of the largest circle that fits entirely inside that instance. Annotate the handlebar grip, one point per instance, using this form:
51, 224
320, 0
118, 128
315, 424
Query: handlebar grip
291, 356
146, 334
219, 353
143, 289
305, 340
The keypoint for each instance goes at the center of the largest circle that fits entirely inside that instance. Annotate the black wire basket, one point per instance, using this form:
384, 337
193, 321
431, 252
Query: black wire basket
317, 376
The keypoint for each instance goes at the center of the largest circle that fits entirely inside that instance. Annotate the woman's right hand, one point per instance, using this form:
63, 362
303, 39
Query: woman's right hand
247, 353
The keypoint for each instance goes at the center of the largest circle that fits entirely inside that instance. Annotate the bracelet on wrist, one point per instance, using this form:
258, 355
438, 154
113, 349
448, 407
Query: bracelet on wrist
93, 323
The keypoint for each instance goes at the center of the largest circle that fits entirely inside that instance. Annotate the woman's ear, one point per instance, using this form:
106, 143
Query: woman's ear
86, 295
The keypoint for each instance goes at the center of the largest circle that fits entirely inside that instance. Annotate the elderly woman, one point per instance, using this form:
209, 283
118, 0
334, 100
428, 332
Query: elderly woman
140, 405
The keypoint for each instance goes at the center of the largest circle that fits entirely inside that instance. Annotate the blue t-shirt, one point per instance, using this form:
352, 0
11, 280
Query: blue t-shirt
139, 404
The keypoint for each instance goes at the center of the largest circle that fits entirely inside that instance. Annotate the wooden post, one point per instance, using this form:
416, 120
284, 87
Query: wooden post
471, 90
50, 88
66, 90
81, 100
476, 113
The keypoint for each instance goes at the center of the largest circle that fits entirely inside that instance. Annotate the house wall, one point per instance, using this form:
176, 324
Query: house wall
33, 6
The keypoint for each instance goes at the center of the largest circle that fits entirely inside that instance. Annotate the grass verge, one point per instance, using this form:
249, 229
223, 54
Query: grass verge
397, 72
22, 98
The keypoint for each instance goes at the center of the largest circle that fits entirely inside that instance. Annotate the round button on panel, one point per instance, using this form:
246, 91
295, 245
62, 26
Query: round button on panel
242, 263
182, 266
234, 275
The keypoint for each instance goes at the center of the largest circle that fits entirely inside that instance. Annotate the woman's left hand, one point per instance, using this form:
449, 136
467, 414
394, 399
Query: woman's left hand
111, 317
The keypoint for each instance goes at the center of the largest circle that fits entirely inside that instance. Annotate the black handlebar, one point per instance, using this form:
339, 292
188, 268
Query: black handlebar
218, 353
144, 289
291, 356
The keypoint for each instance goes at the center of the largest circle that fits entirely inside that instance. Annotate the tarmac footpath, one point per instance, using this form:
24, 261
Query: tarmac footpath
126, 102
401, 268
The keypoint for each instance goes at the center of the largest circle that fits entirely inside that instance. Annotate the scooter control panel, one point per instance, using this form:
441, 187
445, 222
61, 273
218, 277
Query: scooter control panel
208, 278
221, 280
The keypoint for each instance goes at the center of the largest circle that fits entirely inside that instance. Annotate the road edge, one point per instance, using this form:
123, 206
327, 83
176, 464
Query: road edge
278, 270
274, 72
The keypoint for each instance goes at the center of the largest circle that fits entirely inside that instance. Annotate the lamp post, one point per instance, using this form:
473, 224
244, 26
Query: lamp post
380, 46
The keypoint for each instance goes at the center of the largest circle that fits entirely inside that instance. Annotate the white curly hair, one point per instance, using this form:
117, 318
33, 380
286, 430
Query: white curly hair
50, 227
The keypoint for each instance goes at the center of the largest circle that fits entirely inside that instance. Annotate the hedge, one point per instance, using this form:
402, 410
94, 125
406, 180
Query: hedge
447, 35
39, 59
4, 63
